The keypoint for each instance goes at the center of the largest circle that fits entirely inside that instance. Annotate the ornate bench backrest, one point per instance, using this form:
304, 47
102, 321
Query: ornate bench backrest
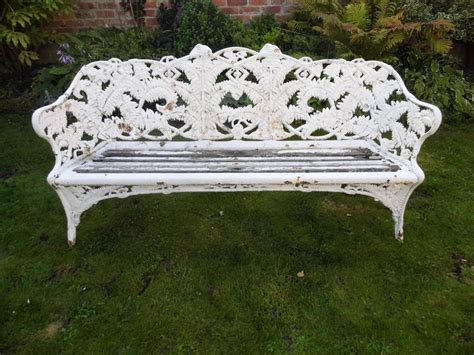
235, 93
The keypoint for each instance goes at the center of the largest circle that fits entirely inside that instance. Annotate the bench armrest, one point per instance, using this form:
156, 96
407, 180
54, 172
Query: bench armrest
403, 123
72, 124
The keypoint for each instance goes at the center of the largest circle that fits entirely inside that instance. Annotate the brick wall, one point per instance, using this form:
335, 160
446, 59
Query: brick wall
246, 10
102, 13
109, 13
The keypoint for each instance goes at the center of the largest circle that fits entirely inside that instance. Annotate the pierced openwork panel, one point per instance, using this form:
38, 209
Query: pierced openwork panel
235, 93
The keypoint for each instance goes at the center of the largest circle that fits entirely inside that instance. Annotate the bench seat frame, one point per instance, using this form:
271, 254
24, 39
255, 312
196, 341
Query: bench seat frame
78, 194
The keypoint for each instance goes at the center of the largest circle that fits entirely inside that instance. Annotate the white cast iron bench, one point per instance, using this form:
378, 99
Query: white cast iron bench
235, 120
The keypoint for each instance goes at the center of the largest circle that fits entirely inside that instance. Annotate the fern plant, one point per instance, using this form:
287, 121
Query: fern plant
372, 29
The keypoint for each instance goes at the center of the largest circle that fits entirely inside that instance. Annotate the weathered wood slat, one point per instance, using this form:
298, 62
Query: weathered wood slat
233, 159
332, 159
244, 164
242, 153
196, 169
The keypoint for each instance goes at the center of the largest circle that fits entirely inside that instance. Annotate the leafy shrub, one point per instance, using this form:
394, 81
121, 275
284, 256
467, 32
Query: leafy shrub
373, 29
203, 22
262, 30
168, 16
459, 12
265, 29
440, 81
91, 45
20, 28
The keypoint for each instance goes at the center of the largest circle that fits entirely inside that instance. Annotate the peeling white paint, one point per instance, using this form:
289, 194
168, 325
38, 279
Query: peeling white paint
357, 128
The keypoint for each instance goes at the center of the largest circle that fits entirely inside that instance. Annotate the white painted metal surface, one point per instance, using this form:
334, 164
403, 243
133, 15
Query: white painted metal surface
236, 114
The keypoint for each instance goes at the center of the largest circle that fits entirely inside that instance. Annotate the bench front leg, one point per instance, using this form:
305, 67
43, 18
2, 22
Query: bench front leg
395, 197
78, 199
73, 204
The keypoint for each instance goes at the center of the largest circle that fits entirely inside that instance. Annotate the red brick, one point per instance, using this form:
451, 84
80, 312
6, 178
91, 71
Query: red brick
86, 5
272, 9
231, 10
113, 23
100, 13
151, 21
73, 23
94, 23
108, 5
129, 22
65, 16
150, 12
282, 18
236, 2
106, 14
220, 3
250, 10
86, 14
151, 4
243, 18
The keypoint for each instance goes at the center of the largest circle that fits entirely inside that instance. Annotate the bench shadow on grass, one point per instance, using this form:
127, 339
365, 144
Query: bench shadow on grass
170, 272
234, 259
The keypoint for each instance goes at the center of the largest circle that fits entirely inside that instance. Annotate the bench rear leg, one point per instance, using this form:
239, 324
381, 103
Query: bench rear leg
396, 199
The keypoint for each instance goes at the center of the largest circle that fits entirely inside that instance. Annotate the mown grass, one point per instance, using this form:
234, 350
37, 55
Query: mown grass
170, 273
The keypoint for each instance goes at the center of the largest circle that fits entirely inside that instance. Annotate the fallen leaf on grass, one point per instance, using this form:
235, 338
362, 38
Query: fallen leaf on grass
52, 329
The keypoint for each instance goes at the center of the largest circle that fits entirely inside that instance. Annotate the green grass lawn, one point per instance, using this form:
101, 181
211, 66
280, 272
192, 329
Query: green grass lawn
169, 273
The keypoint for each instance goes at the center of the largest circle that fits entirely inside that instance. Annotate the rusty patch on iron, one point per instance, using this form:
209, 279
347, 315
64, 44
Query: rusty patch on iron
125, 127
297, 183
170, 106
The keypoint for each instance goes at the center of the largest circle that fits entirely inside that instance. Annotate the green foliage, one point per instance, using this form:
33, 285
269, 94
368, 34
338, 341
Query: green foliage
373, 29
203, 22
169, 15
459, 12
438, 80
262, 30
265, 29
20, 28
105, 43
91, 45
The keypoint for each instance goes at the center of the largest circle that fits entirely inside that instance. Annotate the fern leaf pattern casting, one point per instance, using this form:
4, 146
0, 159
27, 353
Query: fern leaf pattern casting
236, 93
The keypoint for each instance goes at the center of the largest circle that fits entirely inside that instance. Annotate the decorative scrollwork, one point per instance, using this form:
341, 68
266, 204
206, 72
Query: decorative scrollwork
235, 93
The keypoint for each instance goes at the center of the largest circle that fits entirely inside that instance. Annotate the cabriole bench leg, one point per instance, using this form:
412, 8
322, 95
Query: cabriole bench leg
398, 219
394, 197
73, 210
72, 223
397, 202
